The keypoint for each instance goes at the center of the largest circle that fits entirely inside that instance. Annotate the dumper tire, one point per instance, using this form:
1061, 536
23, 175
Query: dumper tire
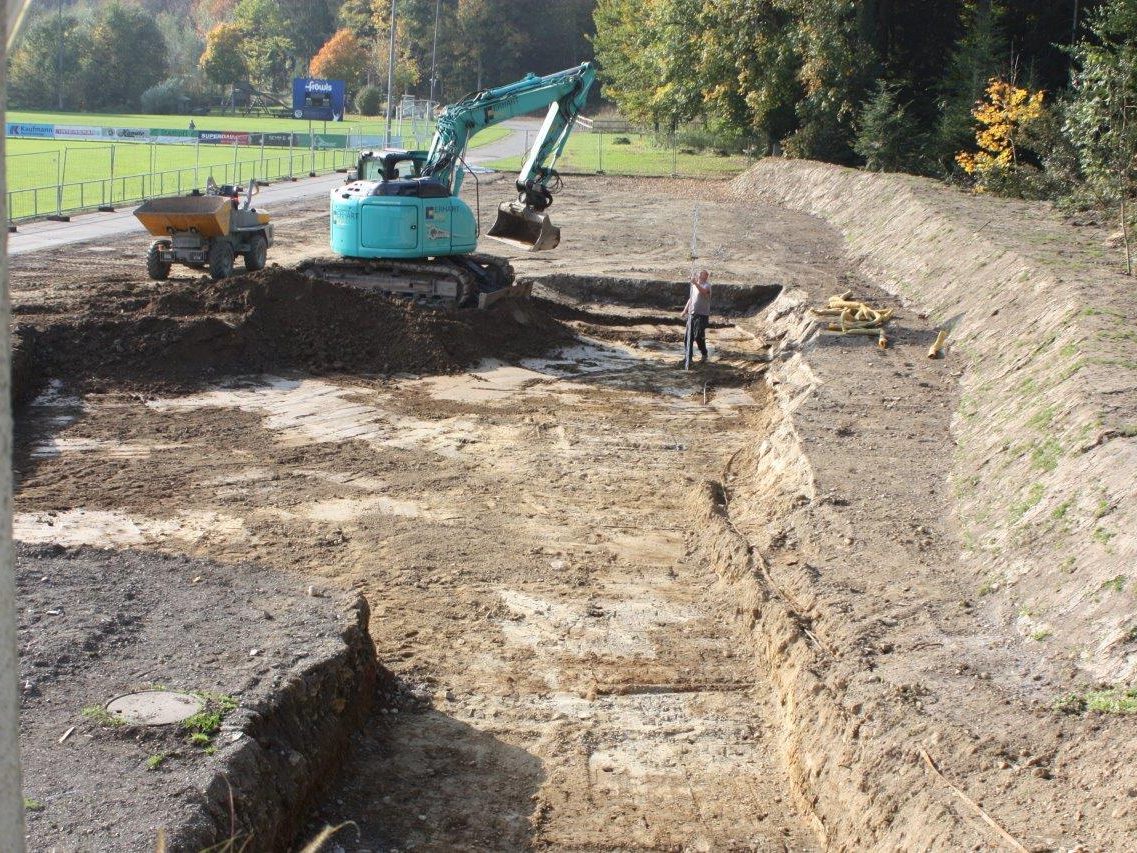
156, 268
220, 259
257, 256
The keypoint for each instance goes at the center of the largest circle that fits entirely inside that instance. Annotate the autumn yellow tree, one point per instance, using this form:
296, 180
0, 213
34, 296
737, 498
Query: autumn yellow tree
1001, 117
223, 61
342, 57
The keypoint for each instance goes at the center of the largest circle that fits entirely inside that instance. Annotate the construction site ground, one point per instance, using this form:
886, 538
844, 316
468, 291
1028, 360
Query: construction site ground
579, 662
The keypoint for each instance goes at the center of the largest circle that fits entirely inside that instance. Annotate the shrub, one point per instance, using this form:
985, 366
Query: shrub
1002, 118
714, 136
369, 101
169, 97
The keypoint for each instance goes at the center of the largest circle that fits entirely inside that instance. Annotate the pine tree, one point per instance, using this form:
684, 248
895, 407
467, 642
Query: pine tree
978, 57
887, 134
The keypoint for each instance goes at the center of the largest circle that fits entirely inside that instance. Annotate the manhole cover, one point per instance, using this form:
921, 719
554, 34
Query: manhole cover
154, 707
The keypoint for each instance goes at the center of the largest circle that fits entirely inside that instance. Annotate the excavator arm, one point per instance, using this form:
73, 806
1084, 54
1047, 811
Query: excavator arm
522, 223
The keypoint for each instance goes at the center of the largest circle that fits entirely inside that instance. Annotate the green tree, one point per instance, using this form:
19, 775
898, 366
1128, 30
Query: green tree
749, 67
625, 48
649, 51
355, 15
126, 56
270, 53
184, 44
35, 81
223, 61
888, 137
1101, 119
836, 69
308, 24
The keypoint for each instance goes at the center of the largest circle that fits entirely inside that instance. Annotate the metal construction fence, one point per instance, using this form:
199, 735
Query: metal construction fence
86, 174
73, 179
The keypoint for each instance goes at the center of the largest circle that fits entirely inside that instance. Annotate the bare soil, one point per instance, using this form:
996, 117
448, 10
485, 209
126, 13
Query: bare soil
630, 607
97, 624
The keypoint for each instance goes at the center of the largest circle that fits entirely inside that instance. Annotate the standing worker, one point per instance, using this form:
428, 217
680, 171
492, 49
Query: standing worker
698, 308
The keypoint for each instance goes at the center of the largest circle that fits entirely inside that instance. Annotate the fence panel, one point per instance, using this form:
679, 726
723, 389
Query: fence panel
83, 176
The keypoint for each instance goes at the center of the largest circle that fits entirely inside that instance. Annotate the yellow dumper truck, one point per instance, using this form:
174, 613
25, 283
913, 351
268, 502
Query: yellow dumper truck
206, 231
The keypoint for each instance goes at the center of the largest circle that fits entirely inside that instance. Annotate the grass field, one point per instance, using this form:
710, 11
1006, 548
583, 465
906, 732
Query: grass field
37, 168
352, 124
641, 156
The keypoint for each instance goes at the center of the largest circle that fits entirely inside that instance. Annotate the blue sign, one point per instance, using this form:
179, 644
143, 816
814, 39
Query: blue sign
40, 131
318, 100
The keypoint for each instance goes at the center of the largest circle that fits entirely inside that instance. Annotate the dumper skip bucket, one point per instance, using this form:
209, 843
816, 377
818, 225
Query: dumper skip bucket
521, 226
208, 215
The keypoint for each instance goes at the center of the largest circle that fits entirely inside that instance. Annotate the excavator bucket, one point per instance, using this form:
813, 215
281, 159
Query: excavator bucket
524, 227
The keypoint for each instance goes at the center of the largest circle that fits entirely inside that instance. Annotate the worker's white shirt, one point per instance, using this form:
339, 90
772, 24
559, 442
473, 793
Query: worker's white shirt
700, 303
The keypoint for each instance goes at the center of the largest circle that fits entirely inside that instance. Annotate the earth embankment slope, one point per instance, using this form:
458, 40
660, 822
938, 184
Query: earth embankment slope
1045, 432
936, 551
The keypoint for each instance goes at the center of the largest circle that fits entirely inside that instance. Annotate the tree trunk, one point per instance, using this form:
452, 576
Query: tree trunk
1125, 235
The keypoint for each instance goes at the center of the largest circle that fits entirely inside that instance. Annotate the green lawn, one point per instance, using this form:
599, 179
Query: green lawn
588, 152
37, 167
351, 124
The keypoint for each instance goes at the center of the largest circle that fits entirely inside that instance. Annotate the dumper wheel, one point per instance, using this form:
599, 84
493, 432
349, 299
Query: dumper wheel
257, 256
156, 268
220, 259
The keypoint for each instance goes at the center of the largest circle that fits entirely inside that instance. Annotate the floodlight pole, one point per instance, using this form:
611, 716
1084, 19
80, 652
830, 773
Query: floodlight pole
390, 77
59, 57
434, 53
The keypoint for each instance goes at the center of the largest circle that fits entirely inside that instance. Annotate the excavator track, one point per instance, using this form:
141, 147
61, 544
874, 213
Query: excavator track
459, 281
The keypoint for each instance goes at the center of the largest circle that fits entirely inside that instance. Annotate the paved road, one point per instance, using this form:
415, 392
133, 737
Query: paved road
36, 236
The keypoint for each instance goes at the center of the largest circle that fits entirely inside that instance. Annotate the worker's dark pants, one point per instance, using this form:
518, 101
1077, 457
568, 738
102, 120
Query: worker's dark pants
698, 335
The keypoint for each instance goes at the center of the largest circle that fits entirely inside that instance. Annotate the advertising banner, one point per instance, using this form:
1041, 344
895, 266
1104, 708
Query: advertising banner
318, 100
223, 137
128, 134
78, 131
37, 131
323, 142
274, 140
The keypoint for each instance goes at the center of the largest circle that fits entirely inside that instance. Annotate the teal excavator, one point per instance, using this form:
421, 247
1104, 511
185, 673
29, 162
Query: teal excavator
399, 225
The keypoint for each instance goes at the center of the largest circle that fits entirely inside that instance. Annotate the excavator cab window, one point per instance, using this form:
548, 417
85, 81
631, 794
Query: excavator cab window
398, 167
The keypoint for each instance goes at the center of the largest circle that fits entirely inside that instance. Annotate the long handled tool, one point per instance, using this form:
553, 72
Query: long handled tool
687, 342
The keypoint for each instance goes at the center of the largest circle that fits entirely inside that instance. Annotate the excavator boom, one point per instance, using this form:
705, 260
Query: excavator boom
524, 223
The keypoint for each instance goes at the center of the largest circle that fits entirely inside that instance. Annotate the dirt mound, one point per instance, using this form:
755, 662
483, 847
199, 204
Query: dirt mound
279, 319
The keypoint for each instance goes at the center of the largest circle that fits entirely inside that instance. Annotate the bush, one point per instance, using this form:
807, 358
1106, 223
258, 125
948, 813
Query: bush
369, 101
170, 97
716, 137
